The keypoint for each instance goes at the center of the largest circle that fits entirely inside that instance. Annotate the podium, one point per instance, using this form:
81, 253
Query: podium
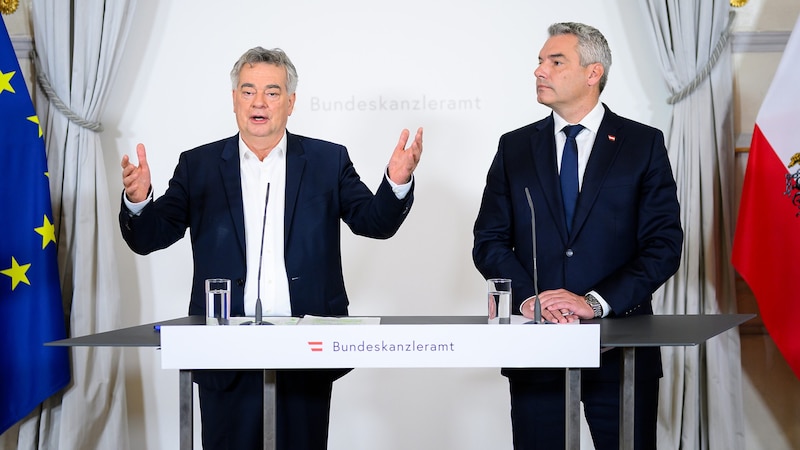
427, 341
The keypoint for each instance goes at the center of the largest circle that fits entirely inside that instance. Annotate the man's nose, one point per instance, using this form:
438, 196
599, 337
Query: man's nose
260, 99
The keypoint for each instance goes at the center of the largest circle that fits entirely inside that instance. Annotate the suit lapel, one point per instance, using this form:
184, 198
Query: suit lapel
295, 165
606, 145
230, 173
543, 147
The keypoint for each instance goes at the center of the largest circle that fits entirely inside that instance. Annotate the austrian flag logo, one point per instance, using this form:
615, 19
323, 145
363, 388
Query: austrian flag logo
793, 183
315, 346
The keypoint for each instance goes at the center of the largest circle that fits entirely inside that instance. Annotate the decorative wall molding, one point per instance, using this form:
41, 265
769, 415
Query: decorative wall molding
22, 46
760, 41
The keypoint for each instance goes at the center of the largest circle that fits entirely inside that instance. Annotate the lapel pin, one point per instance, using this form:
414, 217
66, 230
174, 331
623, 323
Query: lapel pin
612, 138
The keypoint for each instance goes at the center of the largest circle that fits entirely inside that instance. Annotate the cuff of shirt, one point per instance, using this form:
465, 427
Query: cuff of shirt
136, 208
400, 190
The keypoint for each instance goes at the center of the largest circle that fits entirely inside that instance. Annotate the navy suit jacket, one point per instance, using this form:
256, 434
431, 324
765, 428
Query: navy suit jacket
626, 236
322, 190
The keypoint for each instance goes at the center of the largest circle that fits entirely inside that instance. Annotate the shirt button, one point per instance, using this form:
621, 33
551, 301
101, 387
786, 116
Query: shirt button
569, 253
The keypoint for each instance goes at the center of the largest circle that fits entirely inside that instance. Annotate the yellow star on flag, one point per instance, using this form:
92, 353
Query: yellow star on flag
35, 119
48, 232
5, 82
17, 273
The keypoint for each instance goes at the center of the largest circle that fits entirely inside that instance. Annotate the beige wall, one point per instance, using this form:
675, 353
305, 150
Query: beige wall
21, 32
18, 23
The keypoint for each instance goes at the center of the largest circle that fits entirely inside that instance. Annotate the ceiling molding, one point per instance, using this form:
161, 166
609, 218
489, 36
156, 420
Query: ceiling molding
760, 41
23, 45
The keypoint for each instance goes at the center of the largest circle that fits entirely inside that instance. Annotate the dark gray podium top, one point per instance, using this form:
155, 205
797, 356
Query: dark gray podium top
665, 330
636, 331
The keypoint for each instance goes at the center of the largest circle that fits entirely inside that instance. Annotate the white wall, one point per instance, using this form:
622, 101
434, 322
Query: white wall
173, 93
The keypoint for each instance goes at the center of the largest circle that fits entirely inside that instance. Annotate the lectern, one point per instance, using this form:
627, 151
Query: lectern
410, 341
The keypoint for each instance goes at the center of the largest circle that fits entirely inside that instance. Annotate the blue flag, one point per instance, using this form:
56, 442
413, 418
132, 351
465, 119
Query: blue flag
30, 295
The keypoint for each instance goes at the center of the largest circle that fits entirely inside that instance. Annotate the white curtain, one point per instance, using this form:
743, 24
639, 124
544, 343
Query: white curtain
79, 44
700, 399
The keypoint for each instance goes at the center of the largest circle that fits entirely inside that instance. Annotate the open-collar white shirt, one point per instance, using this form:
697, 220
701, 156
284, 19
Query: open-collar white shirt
272, 285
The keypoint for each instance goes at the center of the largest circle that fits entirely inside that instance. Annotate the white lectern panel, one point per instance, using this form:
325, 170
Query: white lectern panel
380, 346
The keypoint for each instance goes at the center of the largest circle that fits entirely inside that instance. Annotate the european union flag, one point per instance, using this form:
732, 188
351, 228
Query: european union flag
30, 295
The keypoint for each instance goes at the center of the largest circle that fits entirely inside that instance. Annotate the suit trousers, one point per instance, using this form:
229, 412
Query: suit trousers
232, 417
538, 412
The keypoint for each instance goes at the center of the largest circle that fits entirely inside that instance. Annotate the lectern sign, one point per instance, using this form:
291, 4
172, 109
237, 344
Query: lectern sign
377, 346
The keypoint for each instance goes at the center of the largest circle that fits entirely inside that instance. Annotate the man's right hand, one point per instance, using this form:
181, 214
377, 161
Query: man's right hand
136, 179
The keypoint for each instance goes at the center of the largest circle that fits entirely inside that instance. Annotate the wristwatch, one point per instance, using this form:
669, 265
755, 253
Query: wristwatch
592, 301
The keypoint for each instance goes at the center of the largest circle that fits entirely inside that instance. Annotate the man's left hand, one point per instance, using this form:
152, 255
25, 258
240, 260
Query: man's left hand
404, 160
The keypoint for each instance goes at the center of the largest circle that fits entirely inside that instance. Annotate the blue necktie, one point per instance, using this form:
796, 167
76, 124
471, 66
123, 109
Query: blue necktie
569, 173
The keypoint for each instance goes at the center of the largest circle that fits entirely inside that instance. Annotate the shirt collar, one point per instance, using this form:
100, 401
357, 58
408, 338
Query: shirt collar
279, 150
590, 121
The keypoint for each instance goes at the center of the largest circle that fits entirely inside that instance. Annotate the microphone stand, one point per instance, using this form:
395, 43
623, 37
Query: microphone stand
258, 318
537, 306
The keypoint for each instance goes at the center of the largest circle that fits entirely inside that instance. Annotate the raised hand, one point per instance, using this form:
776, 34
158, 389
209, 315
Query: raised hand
405, 159
136, 179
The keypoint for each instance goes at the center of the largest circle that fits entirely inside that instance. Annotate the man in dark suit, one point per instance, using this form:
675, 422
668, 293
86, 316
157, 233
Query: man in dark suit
608, 234
264, 209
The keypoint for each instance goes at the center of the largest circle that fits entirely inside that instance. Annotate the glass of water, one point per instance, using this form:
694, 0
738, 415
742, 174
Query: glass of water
218, 301
499, 300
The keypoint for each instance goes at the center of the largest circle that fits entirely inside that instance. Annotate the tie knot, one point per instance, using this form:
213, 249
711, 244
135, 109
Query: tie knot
572, 130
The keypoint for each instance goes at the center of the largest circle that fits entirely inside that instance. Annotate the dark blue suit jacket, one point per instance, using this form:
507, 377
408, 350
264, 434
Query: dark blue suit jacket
322, 189
626, 236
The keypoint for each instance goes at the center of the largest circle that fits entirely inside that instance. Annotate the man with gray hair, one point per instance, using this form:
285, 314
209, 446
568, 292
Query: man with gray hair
608, 234
263, 208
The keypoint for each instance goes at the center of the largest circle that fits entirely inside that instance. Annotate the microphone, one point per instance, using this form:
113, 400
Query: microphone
537, 306
258, 318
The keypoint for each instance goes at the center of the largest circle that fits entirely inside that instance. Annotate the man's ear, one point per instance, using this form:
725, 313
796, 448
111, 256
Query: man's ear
596, 72
292, 99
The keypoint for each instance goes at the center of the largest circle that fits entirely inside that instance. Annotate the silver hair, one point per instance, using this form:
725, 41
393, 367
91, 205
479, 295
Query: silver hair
276, 57
592, 45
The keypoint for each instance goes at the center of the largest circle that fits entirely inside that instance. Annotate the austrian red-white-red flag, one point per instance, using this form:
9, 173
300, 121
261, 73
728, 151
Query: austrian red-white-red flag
766, 248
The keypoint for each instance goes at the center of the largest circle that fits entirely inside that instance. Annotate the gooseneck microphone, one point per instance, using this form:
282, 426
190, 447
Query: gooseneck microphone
258, 317
537, 306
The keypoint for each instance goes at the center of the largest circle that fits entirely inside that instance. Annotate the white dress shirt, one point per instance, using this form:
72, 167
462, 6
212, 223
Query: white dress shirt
274, 284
